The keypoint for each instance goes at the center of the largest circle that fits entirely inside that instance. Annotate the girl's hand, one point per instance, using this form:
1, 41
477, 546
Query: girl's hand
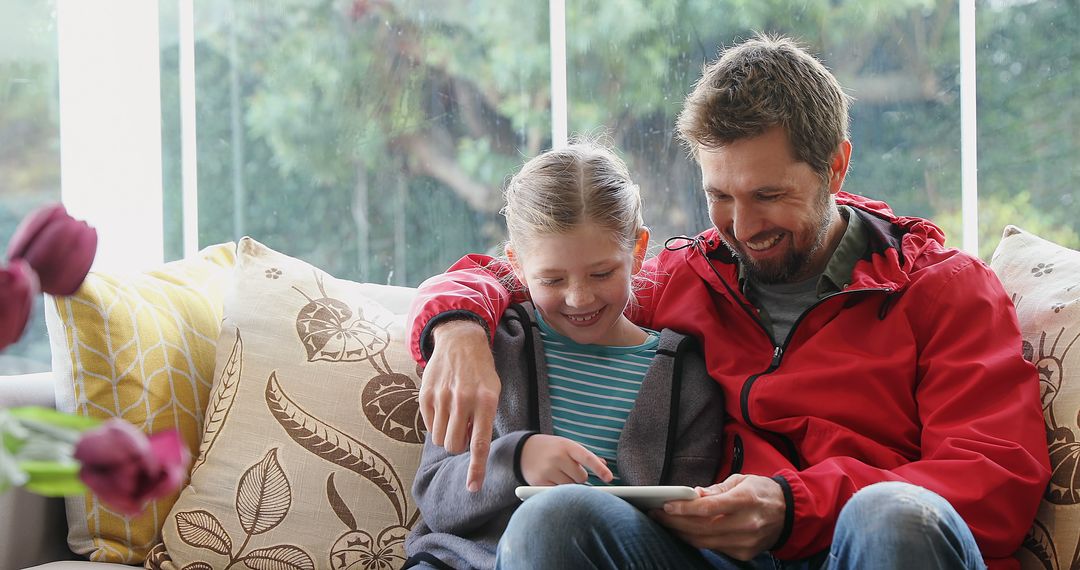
554, 460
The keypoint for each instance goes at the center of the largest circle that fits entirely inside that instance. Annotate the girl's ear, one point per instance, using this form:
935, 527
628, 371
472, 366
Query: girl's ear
515, 263
641, 247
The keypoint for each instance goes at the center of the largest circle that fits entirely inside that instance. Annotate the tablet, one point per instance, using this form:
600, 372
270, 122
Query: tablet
644, 497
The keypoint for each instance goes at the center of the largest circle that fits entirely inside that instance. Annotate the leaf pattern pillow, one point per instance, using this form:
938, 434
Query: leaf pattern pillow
312, 435
1043, 280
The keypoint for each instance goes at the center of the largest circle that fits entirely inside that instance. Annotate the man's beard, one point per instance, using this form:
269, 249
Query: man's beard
796, 261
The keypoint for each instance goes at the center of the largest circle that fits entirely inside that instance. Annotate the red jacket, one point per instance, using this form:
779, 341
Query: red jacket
912, 373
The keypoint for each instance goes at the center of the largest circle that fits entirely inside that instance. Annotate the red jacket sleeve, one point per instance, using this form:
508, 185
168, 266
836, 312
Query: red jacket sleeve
983, 439
473, 287
481, 287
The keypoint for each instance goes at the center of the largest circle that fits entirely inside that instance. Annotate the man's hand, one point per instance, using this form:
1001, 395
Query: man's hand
741, 517
460, 392
554, 460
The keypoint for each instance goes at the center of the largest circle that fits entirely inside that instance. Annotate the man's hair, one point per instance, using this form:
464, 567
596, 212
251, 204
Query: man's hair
559, 190
761, 83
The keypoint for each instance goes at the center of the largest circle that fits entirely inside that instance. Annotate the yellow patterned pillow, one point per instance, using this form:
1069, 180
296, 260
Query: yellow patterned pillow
139, 347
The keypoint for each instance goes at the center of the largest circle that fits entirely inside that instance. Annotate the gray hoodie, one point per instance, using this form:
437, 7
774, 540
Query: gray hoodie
671, 437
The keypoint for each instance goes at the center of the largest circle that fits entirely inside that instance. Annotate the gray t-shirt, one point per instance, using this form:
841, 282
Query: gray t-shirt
781, 305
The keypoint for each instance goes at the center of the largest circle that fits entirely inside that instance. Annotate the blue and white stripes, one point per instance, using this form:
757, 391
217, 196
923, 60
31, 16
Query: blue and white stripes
592, 390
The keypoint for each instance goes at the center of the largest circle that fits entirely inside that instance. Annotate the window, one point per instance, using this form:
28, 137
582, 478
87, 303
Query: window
373, 138
29, 144
1029, 117
899, 61
368, 138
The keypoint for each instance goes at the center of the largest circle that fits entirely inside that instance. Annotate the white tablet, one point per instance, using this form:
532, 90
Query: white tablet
644, 497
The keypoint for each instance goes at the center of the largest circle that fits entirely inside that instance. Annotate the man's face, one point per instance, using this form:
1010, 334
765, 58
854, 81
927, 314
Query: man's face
772, 210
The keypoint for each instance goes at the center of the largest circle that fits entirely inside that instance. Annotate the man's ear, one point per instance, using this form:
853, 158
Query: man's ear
641, 247
838, 166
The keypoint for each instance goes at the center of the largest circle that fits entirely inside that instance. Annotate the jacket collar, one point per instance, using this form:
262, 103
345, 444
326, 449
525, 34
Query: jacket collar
896, 246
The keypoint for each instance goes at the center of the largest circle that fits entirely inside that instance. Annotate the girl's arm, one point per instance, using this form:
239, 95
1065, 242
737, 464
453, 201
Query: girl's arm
440, 493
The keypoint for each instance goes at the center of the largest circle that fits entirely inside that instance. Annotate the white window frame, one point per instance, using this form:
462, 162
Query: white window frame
969, 160
110, 120
110, 127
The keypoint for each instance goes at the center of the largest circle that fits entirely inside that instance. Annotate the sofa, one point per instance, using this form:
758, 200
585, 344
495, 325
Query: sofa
298, 400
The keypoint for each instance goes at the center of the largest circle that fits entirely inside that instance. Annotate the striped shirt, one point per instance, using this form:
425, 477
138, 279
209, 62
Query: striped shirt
593, 388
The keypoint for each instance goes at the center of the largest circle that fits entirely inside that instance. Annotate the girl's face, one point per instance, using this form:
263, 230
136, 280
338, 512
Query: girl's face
580, 282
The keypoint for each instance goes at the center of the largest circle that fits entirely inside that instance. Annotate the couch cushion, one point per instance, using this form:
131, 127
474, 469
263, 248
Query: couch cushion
313, 431
1043, 279
139, 347
80, 565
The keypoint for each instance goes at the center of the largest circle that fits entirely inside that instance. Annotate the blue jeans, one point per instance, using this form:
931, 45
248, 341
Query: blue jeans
884, 526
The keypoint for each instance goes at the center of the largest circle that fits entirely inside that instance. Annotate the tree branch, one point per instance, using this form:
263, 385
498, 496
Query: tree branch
426, 157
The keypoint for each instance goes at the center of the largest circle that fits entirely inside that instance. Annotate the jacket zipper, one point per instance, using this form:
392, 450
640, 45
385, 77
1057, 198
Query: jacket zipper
737, 455
674, 405
778, 355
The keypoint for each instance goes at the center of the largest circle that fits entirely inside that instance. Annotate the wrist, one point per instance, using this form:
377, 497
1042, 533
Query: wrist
451, 319
519, 457
459, 328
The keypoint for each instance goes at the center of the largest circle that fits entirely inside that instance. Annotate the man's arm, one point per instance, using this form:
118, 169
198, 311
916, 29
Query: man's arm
452, 320
451, 323
473, 288
982, 438
983, 444
742, 517
460, 393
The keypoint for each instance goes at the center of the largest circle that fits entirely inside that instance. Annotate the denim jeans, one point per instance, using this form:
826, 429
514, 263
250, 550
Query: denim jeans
884, 526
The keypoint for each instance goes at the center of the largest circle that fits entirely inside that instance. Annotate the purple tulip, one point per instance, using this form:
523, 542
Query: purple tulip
18, 286
58, 247
126, 469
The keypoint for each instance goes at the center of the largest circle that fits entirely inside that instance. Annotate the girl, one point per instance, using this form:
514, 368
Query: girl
587, 396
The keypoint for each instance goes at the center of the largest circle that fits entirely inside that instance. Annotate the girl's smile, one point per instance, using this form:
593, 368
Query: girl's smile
580, 281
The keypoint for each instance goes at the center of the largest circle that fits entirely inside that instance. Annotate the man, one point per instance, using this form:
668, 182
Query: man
880, 414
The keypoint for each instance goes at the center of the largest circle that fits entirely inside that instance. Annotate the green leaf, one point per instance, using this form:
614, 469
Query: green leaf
53, 478
52, 417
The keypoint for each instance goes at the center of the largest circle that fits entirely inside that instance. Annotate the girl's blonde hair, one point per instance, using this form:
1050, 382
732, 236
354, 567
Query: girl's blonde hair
559, 190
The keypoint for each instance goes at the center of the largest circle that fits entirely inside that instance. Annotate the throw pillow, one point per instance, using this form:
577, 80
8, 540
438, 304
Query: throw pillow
1043, 279
138, 347
313, 433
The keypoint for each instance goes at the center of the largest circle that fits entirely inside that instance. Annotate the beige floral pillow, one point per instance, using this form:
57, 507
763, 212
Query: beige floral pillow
313, 430
1043, 279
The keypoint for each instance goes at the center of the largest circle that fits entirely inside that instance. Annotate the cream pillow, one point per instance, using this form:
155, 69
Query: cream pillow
313, 431
139, 347
1043, 280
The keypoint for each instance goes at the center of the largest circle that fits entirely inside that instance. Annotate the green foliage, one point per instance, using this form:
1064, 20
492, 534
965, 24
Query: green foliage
1029, 109
996, 212
376, 135
36, 451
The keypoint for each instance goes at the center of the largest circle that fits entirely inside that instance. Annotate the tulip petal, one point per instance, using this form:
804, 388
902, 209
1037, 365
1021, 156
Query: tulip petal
61, 253
31, 226
173, 460
126, 469
18, 287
